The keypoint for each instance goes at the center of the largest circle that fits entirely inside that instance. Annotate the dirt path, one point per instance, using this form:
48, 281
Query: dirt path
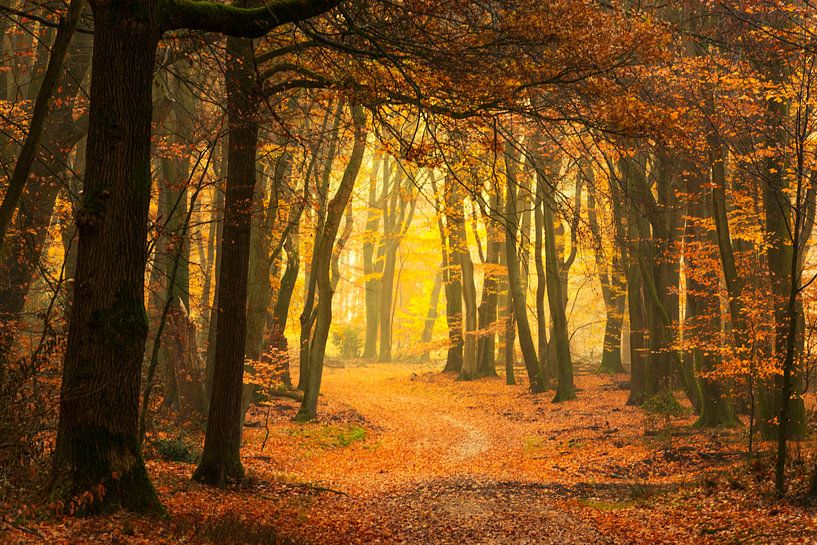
403, 454
443, 462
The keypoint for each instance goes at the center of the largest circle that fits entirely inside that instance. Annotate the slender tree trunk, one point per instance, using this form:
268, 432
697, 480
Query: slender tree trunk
535, 378
221, 460
25, 242
324, 249
308, 316
431, 315
372, 283
42, 105
490, 289
464, 268
556, 301
612, 292
702, 319
541, 284
453, 292
509, 333
212, 323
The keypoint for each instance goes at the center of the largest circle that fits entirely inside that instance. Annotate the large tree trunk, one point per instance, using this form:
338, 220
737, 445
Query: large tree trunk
324, 249
221, 461
97, 439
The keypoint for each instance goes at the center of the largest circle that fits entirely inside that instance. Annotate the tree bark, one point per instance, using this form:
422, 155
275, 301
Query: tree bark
612, 289
489, 300
221, 461
370, 273
97, 439
431, 315
453, 293
535, 378
464, 269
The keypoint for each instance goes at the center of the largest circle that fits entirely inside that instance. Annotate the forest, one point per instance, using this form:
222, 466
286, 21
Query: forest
408, 271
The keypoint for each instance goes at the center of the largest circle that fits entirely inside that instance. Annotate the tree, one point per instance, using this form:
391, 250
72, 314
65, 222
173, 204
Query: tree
324, 247
99, 396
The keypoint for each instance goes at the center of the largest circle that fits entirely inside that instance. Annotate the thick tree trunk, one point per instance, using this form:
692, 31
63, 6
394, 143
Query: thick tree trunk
221, 461
97, 439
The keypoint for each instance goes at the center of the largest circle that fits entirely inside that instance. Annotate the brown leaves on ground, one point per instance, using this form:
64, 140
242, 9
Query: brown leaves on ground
404, 454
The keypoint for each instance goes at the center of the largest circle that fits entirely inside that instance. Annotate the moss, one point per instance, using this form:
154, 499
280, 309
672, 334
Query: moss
123, 326
98, 471
329, 437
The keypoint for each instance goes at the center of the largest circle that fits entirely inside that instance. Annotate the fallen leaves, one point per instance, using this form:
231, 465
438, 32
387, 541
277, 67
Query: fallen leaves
407, 455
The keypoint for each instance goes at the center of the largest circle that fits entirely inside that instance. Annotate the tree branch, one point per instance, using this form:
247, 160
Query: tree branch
239, 22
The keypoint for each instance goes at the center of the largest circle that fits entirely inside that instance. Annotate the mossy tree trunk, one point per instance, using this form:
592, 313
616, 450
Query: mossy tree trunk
97, 441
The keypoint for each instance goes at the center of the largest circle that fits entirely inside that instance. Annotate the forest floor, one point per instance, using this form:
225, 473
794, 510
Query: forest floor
403, 454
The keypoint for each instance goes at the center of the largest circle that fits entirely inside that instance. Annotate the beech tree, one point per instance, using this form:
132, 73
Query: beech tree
96, 441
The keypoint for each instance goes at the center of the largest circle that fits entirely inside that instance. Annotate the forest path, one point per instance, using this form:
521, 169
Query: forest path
443, 461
